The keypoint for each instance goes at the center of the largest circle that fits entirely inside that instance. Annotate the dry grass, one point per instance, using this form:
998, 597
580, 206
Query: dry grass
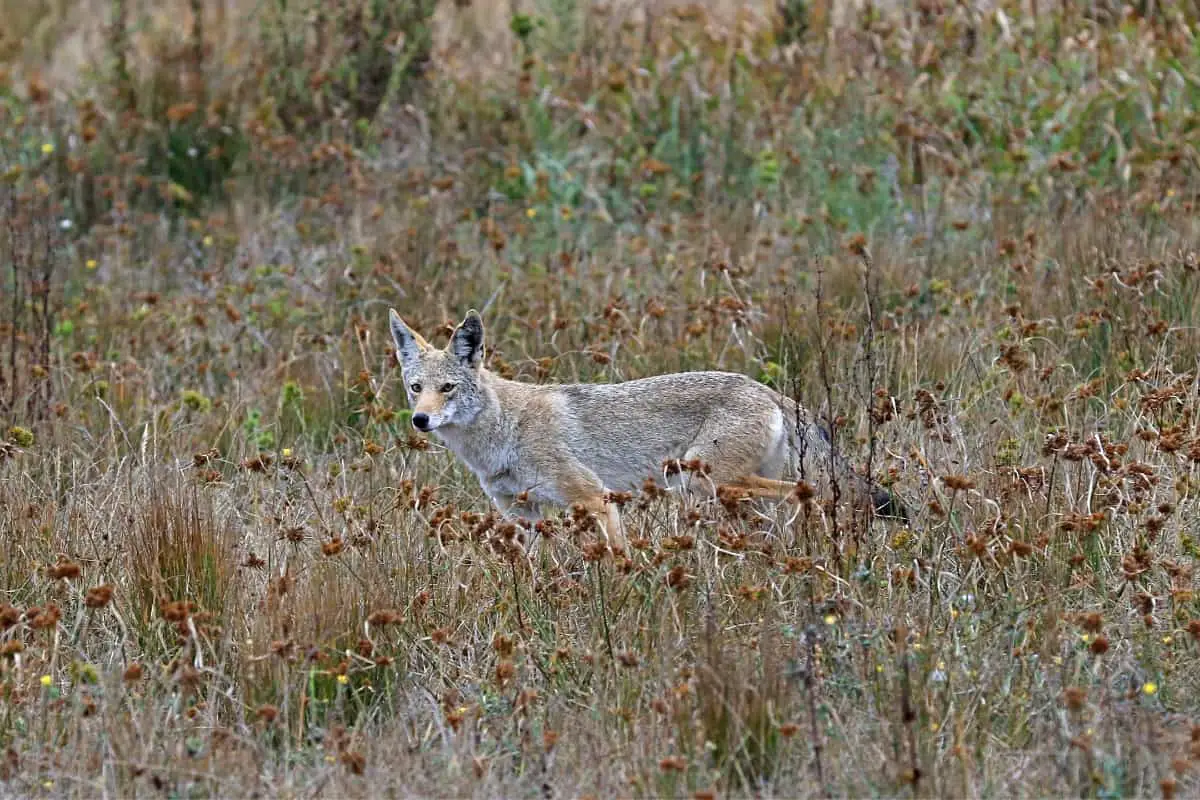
230, 567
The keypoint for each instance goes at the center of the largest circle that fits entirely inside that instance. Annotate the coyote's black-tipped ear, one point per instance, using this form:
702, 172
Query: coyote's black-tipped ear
409, 344
467, 341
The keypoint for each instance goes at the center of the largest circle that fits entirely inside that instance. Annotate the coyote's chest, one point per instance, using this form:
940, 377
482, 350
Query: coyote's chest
497, 464
489, 457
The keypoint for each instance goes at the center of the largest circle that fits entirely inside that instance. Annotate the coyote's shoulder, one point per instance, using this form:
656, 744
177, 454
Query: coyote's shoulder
567, 444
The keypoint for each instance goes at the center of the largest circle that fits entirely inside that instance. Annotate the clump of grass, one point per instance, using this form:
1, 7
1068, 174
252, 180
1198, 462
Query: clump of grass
182, 563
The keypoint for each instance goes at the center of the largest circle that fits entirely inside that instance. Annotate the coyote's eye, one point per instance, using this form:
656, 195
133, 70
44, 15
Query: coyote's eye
447, 388
415, 388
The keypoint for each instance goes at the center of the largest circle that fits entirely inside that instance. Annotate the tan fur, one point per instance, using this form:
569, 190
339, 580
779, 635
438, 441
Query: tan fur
568, 444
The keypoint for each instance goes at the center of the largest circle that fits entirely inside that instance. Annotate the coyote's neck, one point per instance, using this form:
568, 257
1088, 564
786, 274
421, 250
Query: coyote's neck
485, 443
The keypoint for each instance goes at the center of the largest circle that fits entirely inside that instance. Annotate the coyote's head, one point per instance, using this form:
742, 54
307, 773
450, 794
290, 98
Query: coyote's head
442, 385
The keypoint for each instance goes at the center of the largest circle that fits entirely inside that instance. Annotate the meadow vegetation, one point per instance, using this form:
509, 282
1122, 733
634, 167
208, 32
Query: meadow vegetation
965, 234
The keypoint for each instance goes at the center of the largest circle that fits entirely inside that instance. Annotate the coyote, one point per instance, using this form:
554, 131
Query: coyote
574, 444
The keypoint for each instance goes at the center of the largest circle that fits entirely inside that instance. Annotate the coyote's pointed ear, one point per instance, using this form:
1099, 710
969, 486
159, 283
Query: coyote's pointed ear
409, 344
467, 341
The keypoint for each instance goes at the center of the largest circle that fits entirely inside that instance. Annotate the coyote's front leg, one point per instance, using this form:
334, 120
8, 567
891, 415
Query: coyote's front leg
518, 509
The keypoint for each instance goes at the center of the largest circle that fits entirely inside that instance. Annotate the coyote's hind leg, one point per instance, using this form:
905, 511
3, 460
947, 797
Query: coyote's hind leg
589, 492
738, 454
758, 486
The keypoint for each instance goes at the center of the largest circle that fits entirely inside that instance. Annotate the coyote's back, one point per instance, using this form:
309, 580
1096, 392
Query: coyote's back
625, 431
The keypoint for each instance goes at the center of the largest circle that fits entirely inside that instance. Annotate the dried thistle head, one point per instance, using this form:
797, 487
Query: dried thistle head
958, 483
504, 645
1074, 697
259, 463
652, 491
353, 761
295, 534
98, 596
9, 616
1020, 549
177, 610
595, 551
383, 617
43, 618
678, 543
677, 578
731, 499
64, 570
619, 499
1054, 443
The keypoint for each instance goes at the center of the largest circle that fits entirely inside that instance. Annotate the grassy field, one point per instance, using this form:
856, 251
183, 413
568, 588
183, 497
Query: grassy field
966, 237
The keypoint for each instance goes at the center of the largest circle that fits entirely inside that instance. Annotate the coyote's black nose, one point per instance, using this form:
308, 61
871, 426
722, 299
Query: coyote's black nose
421, 422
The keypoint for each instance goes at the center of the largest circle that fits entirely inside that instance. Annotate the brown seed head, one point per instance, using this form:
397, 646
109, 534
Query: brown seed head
177, 610
1020, 549
9, 616
958, 483
64, 570
98, 596
1074, 697
503, 645
259, 463
677, 578
45, 618
594, 551
354, 761
385, 616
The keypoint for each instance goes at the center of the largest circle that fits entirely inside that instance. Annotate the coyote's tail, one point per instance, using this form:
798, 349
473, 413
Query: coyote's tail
815, 455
